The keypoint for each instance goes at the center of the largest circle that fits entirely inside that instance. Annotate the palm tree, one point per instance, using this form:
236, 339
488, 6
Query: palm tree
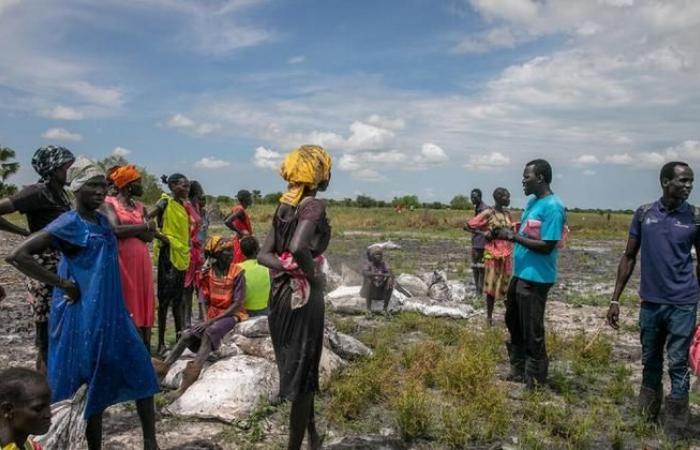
7, 169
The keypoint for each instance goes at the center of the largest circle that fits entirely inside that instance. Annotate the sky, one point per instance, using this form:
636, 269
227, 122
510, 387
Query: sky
423, 97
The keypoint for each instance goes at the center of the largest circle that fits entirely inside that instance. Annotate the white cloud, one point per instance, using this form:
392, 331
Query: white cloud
584, 160
211, 163
267, 159
121, 151
489, 161
184, 123
367, 162
367, 175
495, 38
296, 60
214, 28
61, 134
109, 97
63, 113
431, 154
362, 137
387, 123
589, 172
180, 121
622, 159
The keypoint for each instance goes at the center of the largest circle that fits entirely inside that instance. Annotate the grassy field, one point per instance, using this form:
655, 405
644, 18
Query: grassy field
441, 223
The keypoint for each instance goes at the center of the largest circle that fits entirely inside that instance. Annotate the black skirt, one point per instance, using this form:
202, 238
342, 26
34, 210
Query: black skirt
297, 337
171, 282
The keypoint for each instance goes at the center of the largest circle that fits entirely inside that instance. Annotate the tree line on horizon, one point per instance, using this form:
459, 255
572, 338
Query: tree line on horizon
152, 191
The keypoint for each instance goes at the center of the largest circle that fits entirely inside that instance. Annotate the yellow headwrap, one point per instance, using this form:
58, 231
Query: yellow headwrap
305, 167
216, 243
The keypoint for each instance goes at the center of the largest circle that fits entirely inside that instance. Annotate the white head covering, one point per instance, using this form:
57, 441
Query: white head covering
82, 170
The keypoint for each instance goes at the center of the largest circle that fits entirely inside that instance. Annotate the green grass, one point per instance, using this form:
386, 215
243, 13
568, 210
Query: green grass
438, 383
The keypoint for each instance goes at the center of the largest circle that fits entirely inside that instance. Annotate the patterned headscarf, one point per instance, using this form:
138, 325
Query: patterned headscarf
83, 170
123, 175
49, 158
305, 167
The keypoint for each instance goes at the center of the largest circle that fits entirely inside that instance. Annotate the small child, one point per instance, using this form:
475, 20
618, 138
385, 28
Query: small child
233, 292
378, 280
25, 408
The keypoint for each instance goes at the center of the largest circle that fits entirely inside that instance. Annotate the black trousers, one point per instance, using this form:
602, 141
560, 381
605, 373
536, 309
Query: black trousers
525, 304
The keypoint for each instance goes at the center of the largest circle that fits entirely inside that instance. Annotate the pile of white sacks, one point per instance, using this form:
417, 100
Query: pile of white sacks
243, 374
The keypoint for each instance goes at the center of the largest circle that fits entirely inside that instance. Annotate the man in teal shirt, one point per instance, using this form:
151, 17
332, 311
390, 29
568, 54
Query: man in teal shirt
534, 272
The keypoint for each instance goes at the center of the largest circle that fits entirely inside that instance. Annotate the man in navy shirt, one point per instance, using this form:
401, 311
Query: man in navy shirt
665, 231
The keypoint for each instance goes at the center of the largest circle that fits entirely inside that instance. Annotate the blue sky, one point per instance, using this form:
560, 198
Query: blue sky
421, 97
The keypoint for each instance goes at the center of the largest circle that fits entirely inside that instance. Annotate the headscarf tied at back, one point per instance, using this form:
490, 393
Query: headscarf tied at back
83, 170
123, 175
49, 158
216, 244
305, 167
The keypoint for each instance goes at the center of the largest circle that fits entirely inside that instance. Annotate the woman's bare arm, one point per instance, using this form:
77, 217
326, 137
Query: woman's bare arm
22, 259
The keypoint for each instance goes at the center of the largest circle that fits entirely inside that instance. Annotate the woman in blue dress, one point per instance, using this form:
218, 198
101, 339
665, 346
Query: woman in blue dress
92, 338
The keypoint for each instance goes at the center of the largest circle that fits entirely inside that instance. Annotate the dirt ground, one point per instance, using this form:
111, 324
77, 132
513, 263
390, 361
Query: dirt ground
577, 302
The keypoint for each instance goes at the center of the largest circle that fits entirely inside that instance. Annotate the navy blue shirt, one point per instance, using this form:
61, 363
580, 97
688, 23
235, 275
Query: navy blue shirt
666, 238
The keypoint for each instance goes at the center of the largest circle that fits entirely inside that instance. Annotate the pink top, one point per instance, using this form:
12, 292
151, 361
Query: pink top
135, 266
488, 220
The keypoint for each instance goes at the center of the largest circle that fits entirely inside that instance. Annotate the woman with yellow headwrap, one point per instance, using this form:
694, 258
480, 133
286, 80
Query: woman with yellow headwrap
126, 214
300, 232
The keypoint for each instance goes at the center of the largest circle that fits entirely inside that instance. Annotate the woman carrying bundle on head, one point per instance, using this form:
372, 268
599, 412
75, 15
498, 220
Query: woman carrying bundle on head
127, 217
93, 341
239, 222
293, 250
172, 252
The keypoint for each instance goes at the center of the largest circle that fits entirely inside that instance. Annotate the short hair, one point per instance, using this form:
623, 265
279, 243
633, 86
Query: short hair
497, 190
668, 171
543, 168
243, 194
250, 246
13, 382
477, 190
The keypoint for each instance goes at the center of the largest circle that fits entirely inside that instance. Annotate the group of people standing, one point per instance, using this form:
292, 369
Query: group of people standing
517, 262
91, 285
92, 294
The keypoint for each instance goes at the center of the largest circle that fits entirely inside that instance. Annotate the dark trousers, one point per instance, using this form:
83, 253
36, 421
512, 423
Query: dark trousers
671, 326
525, 303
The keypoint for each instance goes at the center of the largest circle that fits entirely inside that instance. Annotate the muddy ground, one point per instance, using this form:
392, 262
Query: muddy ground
577, 302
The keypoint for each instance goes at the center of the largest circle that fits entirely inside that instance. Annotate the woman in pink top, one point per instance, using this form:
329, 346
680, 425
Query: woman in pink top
126, 216
498, 253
